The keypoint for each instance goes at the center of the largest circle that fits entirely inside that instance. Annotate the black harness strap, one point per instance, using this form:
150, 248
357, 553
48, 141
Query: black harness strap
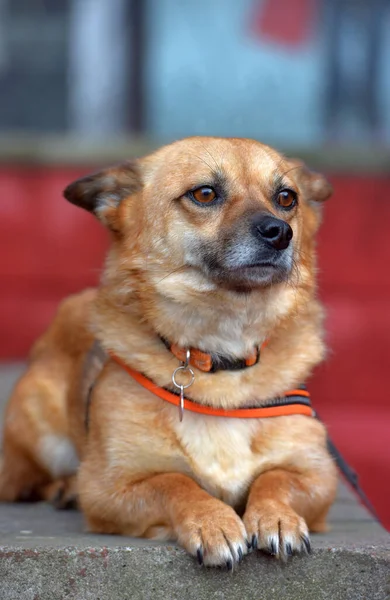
88, 407
286, 400
94, 362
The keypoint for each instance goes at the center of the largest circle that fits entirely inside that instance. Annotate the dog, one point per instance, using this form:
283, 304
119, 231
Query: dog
206, 313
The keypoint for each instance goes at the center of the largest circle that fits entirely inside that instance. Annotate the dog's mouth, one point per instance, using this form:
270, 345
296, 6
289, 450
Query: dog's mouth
252, 275
243, 264
258, 265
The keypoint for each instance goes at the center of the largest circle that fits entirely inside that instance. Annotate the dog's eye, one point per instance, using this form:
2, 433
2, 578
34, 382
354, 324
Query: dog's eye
204, 194
287, 199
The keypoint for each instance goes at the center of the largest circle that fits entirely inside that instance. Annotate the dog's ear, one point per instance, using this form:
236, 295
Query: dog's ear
315, 186
102, 192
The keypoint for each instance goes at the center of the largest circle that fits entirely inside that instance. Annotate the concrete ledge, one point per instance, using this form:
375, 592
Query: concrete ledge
166, 573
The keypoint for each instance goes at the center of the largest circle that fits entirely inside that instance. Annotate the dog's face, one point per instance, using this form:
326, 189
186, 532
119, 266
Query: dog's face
233, 210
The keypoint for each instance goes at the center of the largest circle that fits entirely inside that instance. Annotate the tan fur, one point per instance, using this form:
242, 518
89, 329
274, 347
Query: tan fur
143, 472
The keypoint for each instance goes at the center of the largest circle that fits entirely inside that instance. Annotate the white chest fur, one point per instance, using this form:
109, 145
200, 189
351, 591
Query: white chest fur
219, 453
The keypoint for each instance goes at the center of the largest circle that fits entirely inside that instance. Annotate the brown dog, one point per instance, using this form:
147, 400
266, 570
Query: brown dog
212, 252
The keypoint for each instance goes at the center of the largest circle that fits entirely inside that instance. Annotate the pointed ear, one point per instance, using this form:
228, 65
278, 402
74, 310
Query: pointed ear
102, 192
315, 186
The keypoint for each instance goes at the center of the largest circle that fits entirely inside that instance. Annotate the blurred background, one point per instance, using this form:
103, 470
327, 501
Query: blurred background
85, 83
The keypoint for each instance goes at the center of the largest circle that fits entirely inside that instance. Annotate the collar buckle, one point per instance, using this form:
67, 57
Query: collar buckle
184, 369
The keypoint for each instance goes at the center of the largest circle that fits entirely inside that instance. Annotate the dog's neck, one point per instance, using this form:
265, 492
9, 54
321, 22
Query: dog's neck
224, 324
191, 313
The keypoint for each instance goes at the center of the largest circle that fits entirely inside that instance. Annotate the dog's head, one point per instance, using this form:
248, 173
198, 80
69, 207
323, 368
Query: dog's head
233, 211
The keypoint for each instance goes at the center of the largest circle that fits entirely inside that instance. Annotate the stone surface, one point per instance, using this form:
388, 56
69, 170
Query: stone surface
164, 573
45, 555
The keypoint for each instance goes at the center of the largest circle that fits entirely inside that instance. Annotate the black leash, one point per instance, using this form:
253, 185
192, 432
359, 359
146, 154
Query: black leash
351, 476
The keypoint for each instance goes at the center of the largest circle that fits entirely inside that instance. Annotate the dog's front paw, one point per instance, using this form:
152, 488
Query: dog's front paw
277, 529
211, 531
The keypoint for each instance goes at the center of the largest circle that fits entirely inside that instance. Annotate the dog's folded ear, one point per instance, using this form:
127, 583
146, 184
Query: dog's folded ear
316, 187
102, 192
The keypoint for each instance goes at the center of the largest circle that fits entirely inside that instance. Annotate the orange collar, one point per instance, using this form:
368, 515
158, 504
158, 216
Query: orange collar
211, 363
294, 402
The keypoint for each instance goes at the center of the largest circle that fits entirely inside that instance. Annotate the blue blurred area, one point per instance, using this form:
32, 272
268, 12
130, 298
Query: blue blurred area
171, 68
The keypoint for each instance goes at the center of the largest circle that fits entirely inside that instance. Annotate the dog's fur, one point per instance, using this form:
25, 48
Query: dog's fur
178, 270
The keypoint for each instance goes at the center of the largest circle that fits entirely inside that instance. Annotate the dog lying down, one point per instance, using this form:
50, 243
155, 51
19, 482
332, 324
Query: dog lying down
169, 401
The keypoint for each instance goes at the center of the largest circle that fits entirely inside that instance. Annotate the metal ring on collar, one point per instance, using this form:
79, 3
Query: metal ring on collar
184, 369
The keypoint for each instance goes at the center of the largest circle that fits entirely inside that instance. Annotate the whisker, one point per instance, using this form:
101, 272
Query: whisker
205, 162
218, 167
181, 268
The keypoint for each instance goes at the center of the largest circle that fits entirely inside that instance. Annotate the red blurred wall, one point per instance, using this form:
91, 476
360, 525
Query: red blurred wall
50, 249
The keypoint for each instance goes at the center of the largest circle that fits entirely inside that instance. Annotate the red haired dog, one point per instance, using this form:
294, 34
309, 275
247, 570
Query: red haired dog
211, 268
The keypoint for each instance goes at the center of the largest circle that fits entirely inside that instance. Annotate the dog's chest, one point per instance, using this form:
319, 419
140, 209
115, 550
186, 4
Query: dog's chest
220, 455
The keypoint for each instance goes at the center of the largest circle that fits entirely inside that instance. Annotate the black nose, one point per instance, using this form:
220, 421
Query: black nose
274, 231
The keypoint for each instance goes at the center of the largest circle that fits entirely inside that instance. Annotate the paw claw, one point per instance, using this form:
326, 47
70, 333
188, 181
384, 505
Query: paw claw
273, 548
199, 554
229, 565
306, 542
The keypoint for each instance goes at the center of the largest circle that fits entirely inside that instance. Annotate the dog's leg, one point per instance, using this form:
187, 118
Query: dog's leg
36, 449
282, 506
20, 477
166, 506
